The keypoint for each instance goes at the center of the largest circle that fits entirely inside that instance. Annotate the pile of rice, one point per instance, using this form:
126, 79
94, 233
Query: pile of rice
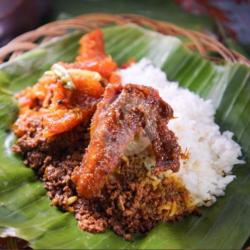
211, 154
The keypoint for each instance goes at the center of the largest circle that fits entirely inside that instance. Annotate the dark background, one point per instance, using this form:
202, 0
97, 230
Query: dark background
228, 20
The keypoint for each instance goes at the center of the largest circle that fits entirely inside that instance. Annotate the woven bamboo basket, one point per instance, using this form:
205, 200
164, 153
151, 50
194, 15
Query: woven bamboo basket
197, 41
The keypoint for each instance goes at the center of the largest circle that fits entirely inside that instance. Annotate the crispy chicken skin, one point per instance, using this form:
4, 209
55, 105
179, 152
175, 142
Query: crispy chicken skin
121, 114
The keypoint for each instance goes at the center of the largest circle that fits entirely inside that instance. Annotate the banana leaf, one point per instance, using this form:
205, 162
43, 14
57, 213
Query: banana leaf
25, 209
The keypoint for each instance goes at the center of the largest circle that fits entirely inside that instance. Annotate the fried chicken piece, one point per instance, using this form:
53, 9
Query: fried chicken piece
122, 113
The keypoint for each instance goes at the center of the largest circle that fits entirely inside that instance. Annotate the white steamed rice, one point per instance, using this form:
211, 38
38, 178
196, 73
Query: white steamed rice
212, 154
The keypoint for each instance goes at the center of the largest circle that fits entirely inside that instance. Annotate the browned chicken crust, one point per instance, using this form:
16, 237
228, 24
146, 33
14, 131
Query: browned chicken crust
123, 111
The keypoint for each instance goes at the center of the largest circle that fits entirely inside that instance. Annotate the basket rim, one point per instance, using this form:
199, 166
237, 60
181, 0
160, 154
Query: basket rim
198, 41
